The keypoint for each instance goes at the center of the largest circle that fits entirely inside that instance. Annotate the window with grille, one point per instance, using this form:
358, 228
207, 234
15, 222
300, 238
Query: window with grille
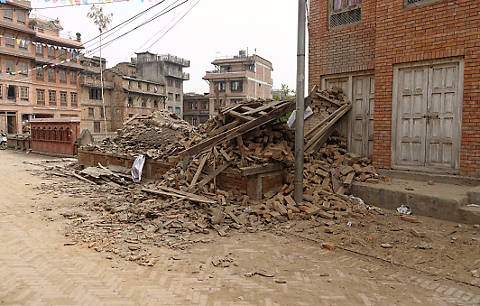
24, 93
417, 2
220, 86
91, 112
8, 14
51, 75
236, 86
63, 98
22, 68
52, 97
9, 66
39, 75
21, 16
51, 51
73, 99
62, 75
345, 12
39, 49
73, 77
95, 94
40, 96
9, 41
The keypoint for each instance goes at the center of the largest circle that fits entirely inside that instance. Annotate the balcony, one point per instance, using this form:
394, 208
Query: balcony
177, 74
89, 81
217, 74
174, 59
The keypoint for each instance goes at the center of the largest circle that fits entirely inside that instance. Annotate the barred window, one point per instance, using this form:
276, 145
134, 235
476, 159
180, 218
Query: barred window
24, 93
345, 12
52, 97
63, 98
40, 96
417, 2
73, 99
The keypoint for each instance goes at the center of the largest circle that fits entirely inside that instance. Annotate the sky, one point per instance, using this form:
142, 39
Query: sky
213, 28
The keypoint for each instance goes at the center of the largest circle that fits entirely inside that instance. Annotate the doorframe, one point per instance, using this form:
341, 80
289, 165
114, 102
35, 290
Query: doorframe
393, 145
349, 76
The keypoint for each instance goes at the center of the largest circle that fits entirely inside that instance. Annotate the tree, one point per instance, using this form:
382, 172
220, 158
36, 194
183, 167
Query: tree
101, 20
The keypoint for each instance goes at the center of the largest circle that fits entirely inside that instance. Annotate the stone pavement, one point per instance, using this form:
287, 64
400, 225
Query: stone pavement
37, 269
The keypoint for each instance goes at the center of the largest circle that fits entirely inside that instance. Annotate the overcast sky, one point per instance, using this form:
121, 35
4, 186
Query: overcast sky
213, 28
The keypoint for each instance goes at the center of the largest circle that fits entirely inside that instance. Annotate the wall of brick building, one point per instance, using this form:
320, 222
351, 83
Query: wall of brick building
341, 49
391, 33
436, 30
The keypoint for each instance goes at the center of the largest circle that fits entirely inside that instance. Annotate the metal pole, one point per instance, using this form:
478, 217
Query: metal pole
101, 81
299, 120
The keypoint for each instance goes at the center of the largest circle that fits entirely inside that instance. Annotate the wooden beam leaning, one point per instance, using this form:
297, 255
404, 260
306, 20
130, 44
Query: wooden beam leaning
239, 130
206, 180
314, 141
200, 168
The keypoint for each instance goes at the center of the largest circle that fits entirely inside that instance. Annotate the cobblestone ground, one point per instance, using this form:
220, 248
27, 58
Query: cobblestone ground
38, 269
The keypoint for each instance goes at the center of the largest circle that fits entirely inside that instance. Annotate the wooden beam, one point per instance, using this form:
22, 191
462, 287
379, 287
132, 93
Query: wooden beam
163, 193
213, 175
200, 169
131, 119
224, 128
239, 130
324, 121
328, 99
187, 194
240, 116
247, 171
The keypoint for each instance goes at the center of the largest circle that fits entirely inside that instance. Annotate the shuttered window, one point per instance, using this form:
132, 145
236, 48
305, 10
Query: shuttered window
344, 12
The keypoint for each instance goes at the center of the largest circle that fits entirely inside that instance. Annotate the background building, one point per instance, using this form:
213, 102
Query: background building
411, 70
38, 69
166, 69
196, 108
239, 78
132, 95
93, 116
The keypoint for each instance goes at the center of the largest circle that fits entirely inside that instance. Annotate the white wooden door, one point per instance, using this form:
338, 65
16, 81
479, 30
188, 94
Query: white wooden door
428, 117
361, 128
411, 111
443, 123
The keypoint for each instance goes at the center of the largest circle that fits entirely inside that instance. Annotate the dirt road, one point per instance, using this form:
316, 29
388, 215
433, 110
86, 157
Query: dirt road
37, 268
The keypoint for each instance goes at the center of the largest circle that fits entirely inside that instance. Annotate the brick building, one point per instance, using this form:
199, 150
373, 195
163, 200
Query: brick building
132, 95
196, 108
93, 116
239, 78
411, 69
166, 69
38, 69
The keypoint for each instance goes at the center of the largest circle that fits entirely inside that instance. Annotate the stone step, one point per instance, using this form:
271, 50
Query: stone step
441, 201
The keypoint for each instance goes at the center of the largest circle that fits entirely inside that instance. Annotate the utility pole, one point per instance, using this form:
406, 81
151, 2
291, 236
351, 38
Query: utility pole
102, 21
299, 120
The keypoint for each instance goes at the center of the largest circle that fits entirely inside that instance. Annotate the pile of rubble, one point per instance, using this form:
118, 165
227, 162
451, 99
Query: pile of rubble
187, 203
159, 136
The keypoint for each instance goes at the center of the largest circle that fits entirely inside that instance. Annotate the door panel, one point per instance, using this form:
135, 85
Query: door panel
442, 123
412, 107
361, 131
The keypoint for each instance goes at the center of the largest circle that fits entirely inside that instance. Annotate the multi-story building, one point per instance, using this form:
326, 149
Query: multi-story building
132, 95
38, 69
166, 69
411, 69
239, 78
96, 117
196, 108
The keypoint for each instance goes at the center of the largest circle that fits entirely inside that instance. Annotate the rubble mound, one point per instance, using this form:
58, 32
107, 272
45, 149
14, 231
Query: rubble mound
157, 136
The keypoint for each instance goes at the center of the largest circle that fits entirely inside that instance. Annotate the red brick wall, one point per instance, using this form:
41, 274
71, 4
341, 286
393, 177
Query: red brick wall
390, 34
436, 30
341, 49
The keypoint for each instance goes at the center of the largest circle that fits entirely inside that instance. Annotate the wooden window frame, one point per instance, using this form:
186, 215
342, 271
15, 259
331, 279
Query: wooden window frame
24, 96
73, 99
63, 98
52, 93
40, 93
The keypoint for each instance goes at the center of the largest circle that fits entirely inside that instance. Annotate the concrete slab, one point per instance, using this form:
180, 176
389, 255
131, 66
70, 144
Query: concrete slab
440, 200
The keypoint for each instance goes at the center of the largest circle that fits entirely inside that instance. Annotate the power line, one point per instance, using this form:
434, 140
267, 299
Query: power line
169, 29
139, 26
69, 5
126, 21
161, 30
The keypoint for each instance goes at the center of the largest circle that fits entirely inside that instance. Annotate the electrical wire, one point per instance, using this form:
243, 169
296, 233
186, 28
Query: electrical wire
169, 29
137, 27
162, 29
124, 23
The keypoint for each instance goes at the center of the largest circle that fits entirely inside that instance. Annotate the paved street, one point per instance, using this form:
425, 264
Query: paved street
38, 269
